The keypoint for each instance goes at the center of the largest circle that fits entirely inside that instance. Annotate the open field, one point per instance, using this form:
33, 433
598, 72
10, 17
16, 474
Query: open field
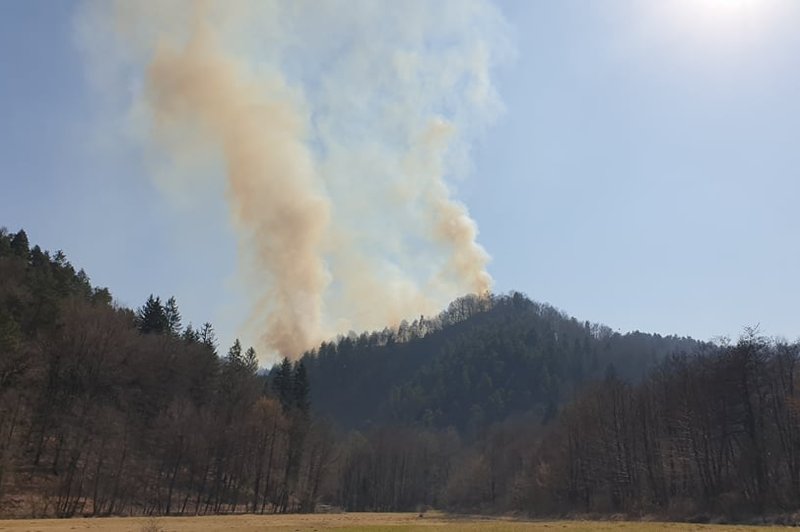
350, 522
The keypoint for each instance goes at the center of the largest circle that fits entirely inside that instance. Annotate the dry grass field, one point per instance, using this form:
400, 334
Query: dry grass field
346, 522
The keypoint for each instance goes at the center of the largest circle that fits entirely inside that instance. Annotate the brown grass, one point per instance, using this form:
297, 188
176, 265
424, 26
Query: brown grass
345, 522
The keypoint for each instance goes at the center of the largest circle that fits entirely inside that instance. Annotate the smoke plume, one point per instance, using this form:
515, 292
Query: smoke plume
338, 128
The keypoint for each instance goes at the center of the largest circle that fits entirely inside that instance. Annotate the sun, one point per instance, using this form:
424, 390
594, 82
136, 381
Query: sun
729, 6
722, 25
722, 12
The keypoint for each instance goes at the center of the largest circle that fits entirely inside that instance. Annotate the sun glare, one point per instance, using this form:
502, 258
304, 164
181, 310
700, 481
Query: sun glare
716, 24
728, 7
724, 13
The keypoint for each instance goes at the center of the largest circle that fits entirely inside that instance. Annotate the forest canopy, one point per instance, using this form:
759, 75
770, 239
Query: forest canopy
497, 404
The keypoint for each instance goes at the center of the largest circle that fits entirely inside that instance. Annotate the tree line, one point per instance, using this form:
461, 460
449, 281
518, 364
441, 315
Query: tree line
715, 433
710, 435
499, 404
105, 410
478, 362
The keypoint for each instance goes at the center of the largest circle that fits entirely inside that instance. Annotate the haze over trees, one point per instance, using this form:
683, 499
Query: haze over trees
497, 404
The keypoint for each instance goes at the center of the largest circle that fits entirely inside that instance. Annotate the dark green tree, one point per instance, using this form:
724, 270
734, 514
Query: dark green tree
283, 385
190, 335
101, 296
208, 337
19, 244
173, 316
250, 360
152, 318
300, 388
234, 357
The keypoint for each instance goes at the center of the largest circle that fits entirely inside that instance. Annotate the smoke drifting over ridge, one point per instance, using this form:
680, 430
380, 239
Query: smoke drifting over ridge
334, 125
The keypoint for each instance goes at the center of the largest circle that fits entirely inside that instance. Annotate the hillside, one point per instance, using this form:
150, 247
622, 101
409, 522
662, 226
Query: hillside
477, 363
498, 404
105, 410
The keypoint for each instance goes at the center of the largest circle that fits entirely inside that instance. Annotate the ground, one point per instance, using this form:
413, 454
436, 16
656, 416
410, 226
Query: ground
344, 522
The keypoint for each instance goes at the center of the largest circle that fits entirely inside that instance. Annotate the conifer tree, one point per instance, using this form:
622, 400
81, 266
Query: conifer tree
300, 388
19, 244
250, 360
208, 337
234, 357
190, 336
101, 296
151, 318
283, 384
173, 317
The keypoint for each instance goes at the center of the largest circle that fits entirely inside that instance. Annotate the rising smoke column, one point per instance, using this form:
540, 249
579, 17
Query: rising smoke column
195, 90
399, 98
337, 126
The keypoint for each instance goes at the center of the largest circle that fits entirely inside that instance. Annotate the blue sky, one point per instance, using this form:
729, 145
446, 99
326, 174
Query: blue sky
643, 174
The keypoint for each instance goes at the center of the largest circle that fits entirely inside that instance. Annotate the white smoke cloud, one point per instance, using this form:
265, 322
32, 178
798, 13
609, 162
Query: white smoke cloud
339, 128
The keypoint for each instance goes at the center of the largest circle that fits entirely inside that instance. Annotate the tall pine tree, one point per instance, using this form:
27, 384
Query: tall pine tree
19, 244
173, 316
300, 388
152, 318
208, 337
283, 384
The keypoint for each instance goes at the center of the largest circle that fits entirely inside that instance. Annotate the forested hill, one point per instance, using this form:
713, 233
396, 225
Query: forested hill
499, 404
106, 410
477, 363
